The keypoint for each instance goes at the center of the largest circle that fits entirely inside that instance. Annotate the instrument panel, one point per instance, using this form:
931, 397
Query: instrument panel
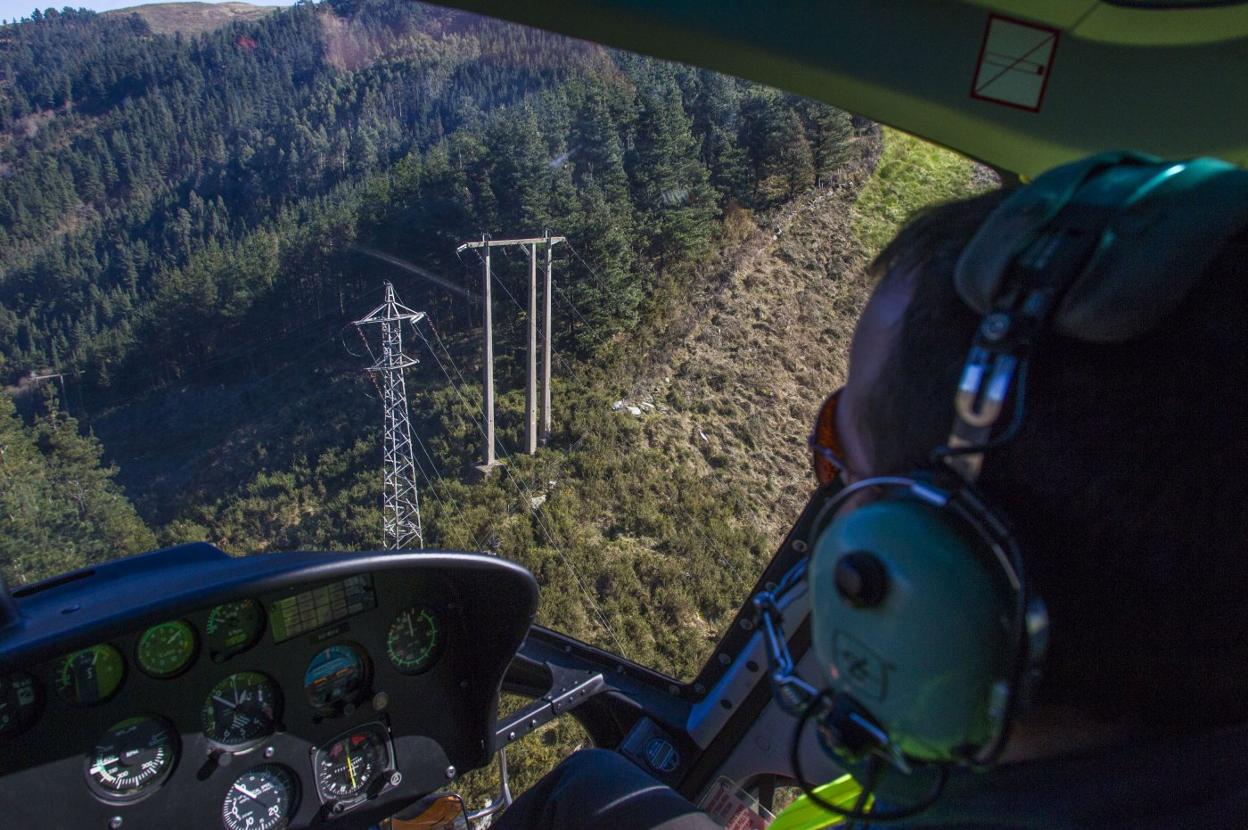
286, 708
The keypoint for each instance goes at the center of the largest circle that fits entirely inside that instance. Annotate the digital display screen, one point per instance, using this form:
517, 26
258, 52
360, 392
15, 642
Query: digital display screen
321, 606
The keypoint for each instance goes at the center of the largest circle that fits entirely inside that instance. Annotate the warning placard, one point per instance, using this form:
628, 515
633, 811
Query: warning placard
733, 808
1015, 62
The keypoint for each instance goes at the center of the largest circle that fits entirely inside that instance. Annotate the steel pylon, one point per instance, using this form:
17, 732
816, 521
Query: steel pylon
401, 503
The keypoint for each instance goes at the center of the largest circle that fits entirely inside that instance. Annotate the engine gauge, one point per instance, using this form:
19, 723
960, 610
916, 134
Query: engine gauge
19, 702
241, 709
414, 641
89, 676
234, 627
166, 650
262, 798
347, 767
336, 675
132, 759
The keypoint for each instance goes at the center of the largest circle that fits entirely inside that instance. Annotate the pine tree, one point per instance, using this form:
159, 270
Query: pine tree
779, 151
830, 131
611, 293
521, 172
596, 149
671, 184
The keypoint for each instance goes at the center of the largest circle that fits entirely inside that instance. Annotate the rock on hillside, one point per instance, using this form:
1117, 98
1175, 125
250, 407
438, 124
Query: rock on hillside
194, 18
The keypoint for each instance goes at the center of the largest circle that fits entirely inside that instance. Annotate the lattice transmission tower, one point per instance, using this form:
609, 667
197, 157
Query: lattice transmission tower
401, 504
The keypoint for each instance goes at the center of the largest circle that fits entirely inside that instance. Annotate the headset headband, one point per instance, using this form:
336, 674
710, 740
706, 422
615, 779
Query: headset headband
1072, 253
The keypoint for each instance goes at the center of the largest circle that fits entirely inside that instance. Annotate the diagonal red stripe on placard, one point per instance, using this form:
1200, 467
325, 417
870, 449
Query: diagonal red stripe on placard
980, 88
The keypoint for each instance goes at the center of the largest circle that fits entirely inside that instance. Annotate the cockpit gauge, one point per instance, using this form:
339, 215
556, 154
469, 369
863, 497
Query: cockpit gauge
234, 627
241, 709
19, 702
89, 676
336, 676
414, 640
132, 759
262, 798
350, 767
166, 650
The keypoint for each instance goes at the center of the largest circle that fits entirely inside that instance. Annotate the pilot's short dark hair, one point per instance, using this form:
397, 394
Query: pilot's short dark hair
1127, 485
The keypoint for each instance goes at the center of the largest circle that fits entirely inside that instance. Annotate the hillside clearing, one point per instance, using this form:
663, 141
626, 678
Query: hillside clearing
193, 18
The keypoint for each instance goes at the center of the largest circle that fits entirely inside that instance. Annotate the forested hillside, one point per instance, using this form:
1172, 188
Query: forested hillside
183, 228
133, 160
182, 231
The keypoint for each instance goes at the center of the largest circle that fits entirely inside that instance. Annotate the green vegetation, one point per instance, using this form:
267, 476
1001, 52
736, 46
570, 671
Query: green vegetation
911, 175
149, 175
59, 507
181, 223
179, 234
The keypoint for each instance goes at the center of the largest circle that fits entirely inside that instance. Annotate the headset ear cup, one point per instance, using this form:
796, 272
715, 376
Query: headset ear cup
914, 619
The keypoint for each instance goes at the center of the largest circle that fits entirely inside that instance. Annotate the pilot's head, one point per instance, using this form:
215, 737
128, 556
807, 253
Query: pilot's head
1127, 484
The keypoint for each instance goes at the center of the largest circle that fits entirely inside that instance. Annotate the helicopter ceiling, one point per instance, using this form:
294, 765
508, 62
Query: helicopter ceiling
1022, 86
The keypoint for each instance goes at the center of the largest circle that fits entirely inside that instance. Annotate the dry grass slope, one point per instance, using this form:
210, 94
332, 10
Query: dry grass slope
194, 18
769, 338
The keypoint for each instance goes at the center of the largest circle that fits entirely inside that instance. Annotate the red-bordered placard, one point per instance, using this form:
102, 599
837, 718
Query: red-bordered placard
1015, 63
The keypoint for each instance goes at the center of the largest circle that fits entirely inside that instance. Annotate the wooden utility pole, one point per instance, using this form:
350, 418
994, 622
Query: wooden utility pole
547, 347
530, 394
487, 358
530, 246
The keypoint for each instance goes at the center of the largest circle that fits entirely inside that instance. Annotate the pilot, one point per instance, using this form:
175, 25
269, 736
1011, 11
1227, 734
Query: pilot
1124, 483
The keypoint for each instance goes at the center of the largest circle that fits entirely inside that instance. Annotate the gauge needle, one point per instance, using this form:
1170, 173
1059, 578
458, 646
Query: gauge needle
246, 792
228, 704
351, 770
101, 764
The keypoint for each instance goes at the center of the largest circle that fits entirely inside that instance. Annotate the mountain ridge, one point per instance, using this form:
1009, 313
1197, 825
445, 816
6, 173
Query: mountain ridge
192, 17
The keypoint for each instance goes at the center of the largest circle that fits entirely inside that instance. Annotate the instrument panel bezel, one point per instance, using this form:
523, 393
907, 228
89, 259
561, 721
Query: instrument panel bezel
116, 603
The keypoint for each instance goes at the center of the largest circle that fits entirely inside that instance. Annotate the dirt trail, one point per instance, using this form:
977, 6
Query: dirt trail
736, 388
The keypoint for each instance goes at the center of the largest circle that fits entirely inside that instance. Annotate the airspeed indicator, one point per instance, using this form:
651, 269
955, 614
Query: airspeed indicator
132, 759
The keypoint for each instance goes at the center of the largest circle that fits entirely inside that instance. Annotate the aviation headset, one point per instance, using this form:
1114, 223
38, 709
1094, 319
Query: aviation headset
928, 636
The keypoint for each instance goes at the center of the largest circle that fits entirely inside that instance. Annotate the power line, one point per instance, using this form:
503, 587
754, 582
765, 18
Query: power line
525, 493
434, 329
600, 282
568, 300
593, 272
453, 507
498, 281
558, 358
